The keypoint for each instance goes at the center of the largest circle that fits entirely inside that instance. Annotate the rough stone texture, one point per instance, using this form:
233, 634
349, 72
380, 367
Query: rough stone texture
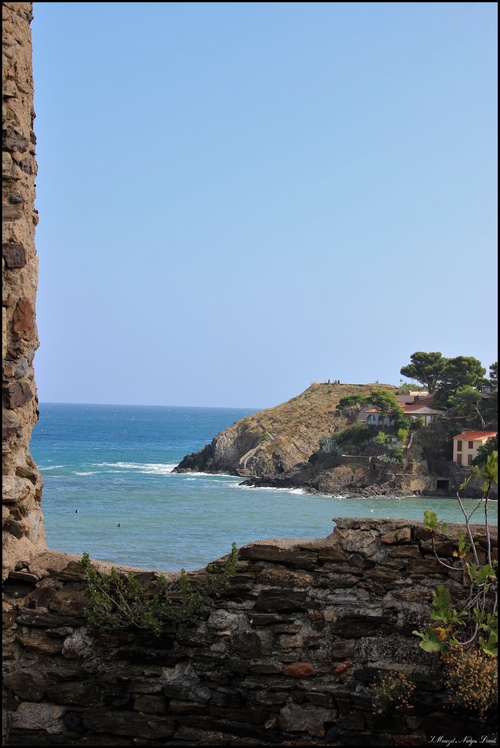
22, 523
288, 656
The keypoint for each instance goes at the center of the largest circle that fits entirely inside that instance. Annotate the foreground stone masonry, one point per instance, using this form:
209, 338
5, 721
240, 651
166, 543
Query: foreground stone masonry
23, 534
288, 657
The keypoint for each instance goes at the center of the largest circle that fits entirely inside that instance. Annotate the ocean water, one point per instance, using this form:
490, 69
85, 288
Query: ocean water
109, 490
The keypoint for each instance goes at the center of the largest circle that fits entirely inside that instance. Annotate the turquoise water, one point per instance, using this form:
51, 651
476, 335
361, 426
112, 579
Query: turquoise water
114, 465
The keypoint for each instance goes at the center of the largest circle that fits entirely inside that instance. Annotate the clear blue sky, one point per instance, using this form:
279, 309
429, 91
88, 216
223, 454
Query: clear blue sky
239, 199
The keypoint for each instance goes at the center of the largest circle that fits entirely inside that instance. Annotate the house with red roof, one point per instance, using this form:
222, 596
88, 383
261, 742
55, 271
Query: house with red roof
466, 445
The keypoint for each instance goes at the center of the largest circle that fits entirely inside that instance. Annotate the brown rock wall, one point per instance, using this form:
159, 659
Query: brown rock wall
22, 522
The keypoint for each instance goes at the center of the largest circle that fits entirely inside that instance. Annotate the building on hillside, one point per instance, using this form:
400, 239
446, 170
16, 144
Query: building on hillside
428, 415
373, 417
410, 398
466, 445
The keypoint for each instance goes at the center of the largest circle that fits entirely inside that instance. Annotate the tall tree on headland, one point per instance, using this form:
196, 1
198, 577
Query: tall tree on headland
425, 368
458, 373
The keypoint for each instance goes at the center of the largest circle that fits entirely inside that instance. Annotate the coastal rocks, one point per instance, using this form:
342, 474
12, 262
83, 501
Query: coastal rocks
280, 448
346, 475
271, 442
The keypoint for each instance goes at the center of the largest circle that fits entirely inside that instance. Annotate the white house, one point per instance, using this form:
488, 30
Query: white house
414, 412
373, 417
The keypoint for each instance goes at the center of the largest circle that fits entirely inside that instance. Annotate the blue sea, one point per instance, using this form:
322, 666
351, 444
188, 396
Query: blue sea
109, 490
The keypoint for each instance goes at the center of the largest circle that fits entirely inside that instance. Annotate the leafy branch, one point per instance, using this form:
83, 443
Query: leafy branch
467, 639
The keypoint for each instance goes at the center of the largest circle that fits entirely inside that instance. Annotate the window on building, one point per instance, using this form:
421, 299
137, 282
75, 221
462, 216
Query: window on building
471, 445
459, 459
459, 446
469, 459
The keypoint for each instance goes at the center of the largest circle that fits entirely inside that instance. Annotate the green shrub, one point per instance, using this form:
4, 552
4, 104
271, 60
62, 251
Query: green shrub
120, 601
417, 424
358, 433
402, 435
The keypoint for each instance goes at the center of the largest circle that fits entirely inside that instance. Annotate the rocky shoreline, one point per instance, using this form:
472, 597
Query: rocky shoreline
283, 447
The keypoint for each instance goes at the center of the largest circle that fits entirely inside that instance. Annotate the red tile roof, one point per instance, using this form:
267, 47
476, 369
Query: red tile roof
476, 435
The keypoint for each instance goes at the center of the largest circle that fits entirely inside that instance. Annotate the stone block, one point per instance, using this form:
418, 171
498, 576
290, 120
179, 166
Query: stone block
294, 718
150, 704
17, 394
38, 641
398, 536
14, 254
128, 723
302, 559
187, 688
24, 319
282, 600
299, 670
27, 684
33, 716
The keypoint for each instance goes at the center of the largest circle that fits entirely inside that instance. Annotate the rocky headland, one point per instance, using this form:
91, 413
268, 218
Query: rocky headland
288, 447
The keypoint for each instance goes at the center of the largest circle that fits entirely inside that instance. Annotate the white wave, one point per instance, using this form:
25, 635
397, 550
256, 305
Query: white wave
150, 468
50, 467
268, 488
157, 469
193, 476
90, 472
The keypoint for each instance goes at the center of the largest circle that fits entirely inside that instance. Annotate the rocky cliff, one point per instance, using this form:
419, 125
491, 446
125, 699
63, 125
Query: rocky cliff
281, 447
272, 441
287, 447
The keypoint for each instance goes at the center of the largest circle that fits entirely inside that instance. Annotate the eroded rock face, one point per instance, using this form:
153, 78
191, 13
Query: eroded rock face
23, 533
281, 447
273, 441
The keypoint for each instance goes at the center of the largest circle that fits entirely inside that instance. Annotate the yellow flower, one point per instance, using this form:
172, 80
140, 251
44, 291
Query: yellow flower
443, 632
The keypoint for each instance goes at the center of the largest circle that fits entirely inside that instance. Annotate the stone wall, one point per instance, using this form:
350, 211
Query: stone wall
288, 656
22, 522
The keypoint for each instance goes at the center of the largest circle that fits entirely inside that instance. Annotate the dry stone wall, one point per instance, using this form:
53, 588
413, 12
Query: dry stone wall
288, 657
22, 522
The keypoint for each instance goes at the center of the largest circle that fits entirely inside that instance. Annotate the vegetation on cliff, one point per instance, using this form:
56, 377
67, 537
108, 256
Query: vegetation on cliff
299, 442
276, 439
